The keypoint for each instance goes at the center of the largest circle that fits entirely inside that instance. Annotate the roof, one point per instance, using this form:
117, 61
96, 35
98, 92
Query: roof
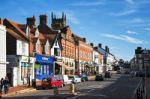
78, 38
44, 29
14, 34
16, 27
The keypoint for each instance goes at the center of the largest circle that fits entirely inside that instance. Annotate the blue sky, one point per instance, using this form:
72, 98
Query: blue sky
122, 25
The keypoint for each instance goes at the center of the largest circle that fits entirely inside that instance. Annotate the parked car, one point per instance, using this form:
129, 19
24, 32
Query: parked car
99, 77
107, 74
84, 77
52, 82
75, 78
66, 80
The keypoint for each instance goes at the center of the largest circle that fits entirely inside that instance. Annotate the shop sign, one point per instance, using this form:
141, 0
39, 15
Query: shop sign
45, 59
24, 59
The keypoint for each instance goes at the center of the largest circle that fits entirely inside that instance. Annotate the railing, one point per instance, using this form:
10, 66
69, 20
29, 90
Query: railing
139, 92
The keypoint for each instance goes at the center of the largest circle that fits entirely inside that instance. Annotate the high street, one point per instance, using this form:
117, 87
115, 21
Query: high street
120, 86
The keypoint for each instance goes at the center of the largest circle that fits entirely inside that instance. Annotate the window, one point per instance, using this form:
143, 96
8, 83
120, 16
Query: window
56, 51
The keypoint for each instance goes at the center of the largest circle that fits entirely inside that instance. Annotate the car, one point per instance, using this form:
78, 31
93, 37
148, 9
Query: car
107, 74
84, 77
75, 78
52, 82
99, 77
66, 80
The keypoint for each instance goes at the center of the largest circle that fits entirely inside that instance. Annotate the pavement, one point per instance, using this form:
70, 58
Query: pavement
18, 89
148, 87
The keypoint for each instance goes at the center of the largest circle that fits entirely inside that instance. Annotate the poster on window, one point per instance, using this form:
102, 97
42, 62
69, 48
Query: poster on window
47, 69
44, 66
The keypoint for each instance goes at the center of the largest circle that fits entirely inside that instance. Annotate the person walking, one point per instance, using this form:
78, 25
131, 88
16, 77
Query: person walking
6, 85
1, 84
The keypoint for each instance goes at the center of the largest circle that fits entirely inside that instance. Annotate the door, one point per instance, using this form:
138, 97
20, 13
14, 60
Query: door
14, 76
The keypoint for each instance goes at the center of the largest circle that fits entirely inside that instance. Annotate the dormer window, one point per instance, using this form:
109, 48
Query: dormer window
36, 33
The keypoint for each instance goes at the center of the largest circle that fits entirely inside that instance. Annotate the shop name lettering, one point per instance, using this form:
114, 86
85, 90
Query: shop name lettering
44, 58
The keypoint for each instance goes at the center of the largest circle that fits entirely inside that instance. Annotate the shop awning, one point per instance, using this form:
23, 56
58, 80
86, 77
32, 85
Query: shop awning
65, 66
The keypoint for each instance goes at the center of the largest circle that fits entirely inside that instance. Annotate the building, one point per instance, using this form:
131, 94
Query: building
17, 49
142, 60
98, 60
3, 61
67, 42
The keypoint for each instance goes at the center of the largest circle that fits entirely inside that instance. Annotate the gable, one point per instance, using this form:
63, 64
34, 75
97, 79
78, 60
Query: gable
36, 32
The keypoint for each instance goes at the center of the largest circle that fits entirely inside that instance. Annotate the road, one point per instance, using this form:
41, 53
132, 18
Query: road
117, 87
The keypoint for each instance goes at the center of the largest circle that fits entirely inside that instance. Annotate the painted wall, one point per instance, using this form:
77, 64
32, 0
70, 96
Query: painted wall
3, 51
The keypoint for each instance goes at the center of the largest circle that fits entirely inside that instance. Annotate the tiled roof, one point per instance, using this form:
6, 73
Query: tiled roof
78, 38
14, 34
44, 29
51, 38
16, 27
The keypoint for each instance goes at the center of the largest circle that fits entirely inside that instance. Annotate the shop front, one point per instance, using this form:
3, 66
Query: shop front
44, 67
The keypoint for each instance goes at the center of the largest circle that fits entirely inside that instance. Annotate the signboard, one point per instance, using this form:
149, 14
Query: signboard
44, 59
24, 59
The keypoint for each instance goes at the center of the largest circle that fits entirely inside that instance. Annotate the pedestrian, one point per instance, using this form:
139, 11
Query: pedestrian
6, 85
1, 84
28, 79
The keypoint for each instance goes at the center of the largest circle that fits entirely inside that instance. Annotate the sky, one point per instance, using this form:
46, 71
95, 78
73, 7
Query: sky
122, 25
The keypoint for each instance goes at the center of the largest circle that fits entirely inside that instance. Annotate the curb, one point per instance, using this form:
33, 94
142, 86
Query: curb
19, 92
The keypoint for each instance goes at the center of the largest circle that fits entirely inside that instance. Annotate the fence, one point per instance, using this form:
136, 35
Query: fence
139, 92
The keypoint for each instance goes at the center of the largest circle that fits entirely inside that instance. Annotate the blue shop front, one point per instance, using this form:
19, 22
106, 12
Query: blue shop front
44, 66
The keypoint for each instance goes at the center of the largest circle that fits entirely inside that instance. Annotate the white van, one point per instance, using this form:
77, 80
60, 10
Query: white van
66, 79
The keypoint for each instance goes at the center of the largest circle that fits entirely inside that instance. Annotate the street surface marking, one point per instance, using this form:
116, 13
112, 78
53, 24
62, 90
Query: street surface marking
90, 90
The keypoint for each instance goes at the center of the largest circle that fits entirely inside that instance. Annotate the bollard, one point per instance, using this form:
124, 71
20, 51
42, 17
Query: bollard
72, 88
56, 92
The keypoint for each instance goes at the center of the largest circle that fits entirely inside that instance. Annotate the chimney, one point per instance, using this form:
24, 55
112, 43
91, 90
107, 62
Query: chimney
91, 44
84, 39
31, 21
106, 48
100, 45
1, 21
96, 48
43, 19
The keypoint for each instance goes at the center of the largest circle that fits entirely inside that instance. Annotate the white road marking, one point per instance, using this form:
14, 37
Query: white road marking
90, 90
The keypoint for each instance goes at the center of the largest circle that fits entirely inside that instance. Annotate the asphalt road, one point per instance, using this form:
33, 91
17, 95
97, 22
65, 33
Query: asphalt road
117, 87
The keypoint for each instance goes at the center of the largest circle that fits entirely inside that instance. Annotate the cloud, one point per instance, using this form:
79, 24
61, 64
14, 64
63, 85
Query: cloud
72, 18
131, 32
130, 2
95, 3
124, 38
147, 29
69, 15
124, 13
137, 20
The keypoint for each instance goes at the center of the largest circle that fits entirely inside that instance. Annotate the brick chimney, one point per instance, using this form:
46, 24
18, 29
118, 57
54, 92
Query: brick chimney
31, 21
84, 39
106, 49
43, 19
91, 44
100, 45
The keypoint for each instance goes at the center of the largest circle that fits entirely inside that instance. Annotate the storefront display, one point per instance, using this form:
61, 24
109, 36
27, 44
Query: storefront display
44, 66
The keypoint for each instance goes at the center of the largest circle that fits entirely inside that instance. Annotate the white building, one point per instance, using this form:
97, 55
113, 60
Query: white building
3, 51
